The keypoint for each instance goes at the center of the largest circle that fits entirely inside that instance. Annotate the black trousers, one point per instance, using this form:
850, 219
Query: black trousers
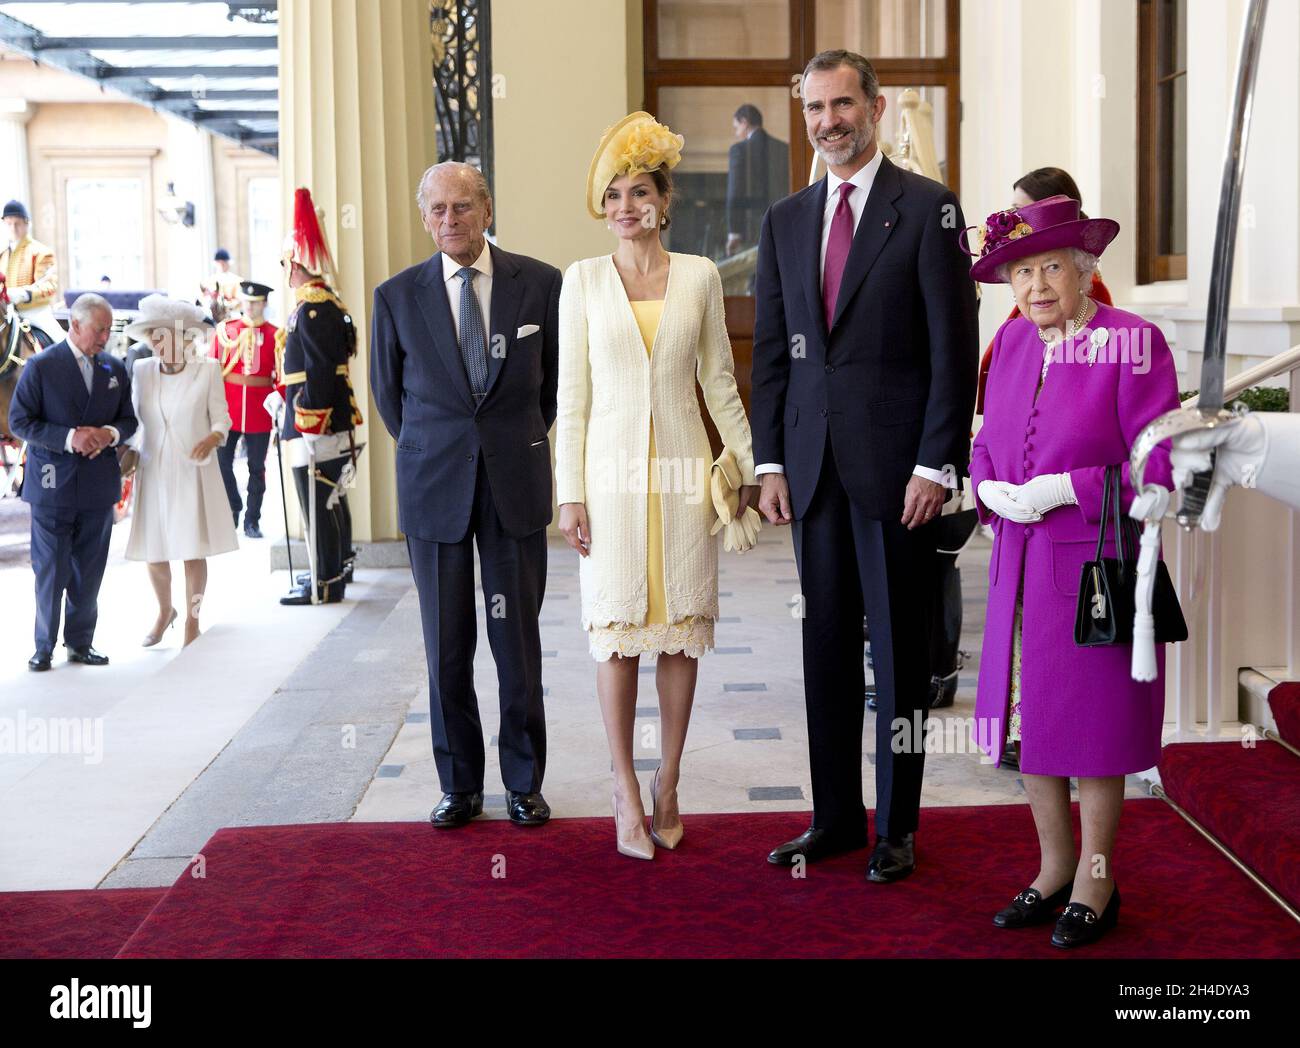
69, 553
255, 445
514, 585
849, 565
329, 522
945, 628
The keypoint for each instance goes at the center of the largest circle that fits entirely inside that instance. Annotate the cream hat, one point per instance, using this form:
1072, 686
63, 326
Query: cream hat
637, 143
159, 311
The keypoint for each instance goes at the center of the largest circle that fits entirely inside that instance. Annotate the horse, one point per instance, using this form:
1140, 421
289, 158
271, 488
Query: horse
18, 342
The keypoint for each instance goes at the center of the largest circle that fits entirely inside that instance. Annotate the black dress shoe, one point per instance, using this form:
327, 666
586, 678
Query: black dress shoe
329, 594
1030, 907
814, 844
527, 809
1080, 925
87, 656
252, 530
456, 809
943, 691
891, 860
39, 662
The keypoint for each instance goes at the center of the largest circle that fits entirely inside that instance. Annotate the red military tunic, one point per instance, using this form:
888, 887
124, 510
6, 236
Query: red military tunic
245, 352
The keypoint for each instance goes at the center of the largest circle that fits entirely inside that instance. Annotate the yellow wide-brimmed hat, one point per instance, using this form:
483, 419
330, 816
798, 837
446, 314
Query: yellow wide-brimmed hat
637, 143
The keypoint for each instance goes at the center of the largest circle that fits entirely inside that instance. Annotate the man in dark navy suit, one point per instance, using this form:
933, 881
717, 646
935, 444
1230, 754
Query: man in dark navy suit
72, 406
865, 352
463, 359
758, 173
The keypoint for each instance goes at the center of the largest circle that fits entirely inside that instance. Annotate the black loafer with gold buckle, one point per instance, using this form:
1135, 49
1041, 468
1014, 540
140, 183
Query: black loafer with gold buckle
1080, 925
1032, 907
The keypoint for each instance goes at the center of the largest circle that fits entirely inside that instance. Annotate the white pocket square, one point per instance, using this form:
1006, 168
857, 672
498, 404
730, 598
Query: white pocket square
112, 382
526, 330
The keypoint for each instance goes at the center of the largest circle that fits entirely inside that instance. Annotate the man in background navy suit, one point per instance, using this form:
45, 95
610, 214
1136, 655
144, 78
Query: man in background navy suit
463, 359
72, 405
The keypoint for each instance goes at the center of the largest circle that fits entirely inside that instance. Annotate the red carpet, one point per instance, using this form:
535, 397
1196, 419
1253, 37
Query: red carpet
1284, 701
72, 924
407, 890
1248, 798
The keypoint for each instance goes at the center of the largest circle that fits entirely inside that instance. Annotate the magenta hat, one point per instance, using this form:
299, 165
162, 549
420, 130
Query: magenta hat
1044, 225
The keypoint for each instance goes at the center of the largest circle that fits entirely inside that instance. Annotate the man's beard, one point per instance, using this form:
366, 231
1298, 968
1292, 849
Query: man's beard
848, 147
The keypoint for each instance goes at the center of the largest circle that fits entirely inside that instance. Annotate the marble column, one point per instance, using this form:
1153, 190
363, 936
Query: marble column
15, 174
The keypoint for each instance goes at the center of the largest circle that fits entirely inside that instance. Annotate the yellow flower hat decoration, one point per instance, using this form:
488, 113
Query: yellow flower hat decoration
636, 144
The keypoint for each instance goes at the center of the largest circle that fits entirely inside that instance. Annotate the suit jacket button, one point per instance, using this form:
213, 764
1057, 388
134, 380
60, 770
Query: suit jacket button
825, 412
830, 368
469, 458
1028, 532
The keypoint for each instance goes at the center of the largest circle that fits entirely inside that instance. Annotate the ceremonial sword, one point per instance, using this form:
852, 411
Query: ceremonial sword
1209, 411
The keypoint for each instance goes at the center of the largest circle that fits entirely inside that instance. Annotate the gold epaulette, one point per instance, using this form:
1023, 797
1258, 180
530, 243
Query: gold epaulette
319, 293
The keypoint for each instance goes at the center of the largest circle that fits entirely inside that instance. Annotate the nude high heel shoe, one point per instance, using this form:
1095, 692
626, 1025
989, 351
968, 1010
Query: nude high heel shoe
636, 845
668, 834
150, 639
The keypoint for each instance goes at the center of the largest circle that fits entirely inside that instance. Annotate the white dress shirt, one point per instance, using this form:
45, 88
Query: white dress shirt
86, 364
864, 178
482, 288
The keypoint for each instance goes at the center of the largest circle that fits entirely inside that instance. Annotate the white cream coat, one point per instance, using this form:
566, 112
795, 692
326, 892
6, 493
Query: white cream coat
608, 389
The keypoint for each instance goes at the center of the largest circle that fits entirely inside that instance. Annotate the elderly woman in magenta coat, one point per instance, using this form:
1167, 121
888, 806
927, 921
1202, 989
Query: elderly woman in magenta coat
1071, 384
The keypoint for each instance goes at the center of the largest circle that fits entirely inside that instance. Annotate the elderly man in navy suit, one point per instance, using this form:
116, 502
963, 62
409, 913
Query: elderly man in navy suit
865, 351
72, 404
463, 358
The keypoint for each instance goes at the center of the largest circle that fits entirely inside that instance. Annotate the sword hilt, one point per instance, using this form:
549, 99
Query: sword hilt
1195, 495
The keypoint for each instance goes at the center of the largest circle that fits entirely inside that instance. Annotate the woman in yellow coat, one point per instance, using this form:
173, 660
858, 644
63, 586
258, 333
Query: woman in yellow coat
633, 460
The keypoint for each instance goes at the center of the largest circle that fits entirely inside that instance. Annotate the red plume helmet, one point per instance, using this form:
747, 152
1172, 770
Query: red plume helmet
306, 243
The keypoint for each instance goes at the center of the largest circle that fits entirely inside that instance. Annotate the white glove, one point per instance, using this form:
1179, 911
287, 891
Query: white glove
1046, 492
1240, 447
1000, 498
273, 403
1152, 504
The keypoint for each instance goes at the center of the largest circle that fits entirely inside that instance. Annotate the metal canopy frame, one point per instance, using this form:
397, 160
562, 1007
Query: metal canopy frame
256, 128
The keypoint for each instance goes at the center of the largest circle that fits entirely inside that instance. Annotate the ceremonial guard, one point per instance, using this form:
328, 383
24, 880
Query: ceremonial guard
29, 273
219, 292
320, 411
245, 347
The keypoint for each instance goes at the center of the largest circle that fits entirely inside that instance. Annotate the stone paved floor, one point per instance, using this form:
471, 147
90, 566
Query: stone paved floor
747, 749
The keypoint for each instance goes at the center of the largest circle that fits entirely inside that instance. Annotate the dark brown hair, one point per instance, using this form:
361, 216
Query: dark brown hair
663, 180
1043, 182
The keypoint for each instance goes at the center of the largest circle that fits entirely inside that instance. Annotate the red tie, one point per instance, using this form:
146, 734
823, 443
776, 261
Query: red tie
837, 251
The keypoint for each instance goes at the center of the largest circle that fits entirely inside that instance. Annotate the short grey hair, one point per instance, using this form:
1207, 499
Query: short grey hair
825, 61
1084, 261
451, 167
88, 304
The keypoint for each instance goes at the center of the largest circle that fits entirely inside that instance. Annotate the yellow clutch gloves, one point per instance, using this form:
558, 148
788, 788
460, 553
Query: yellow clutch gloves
738, 534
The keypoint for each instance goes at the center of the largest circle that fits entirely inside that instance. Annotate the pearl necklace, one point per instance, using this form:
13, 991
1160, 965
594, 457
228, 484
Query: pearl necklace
1075, 323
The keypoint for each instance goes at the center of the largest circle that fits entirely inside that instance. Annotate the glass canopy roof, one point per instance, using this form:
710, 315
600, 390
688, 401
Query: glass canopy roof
214, 64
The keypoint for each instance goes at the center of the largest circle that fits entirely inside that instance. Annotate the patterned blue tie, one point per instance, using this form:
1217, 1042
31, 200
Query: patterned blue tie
473, 339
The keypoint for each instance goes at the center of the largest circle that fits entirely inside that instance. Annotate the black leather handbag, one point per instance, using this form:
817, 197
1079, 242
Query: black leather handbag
1108, 585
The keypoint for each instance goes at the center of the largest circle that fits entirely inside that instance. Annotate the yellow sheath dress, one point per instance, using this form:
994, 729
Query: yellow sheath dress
692, 635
